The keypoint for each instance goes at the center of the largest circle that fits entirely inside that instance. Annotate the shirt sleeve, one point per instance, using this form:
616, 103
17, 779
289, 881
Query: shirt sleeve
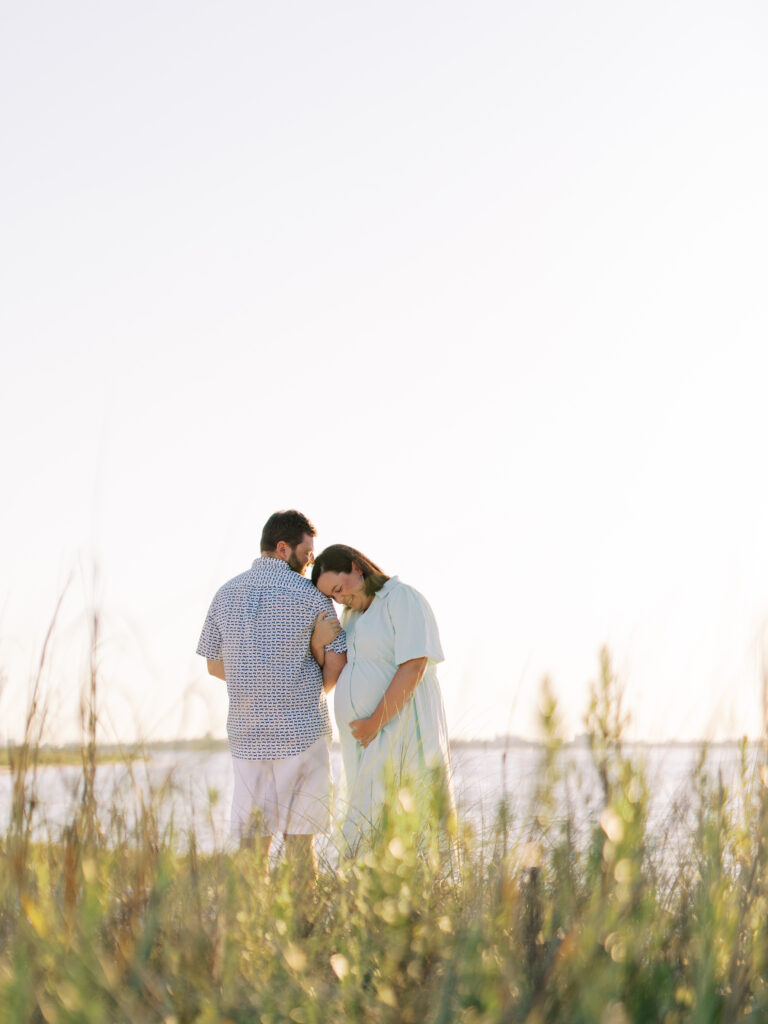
209, 645
416, 633
339, 645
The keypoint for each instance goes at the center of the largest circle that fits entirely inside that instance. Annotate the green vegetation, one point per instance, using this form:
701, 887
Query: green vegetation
68, 755
551, 919
109, 753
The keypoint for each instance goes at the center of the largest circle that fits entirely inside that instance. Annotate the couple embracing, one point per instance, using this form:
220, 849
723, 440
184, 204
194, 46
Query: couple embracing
273, 636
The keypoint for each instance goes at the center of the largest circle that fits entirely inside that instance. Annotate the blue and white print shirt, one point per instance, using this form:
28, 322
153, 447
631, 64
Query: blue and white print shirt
259, 624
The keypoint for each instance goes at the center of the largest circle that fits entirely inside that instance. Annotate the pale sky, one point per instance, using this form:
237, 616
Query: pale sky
480, 288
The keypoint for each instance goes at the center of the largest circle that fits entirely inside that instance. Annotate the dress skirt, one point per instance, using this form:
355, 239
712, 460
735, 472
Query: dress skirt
411, 750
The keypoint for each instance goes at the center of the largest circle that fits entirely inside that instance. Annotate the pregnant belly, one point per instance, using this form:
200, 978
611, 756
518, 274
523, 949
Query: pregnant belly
359, 690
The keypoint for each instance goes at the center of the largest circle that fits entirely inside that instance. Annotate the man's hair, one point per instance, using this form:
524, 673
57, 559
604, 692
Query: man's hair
289, 526
339, 558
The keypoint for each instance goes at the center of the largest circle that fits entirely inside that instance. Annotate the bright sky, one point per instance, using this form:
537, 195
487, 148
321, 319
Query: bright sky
480, 288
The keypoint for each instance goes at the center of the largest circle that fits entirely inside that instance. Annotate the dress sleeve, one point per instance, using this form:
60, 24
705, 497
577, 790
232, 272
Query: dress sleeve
209, 645
413, 621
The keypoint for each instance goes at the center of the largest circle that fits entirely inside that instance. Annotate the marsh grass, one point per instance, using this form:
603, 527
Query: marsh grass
119, 917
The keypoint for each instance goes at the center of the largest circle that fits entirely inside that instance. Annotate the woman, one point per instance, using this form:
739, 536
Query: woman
388, 705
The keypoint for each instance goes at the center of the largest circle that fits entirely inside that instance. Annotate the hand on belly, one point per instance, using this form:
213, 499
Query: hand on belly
365, 730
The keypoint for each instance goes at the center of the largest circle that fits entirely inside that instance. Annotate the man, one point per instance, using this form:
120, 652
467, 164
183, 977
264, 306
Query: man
257, 638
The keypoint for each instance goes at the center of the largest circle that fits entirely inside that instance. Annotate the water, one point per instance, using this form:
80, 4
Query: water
198, 787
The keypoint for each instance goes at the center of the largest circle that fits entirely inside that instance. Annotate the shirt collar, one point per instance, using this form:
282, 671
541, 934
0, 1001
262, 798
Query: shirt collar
271, 563
387, 587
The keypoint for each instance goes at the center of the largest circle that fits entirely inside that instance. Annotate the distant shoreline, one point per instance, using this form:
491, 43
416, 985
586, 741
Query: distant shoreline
75, 754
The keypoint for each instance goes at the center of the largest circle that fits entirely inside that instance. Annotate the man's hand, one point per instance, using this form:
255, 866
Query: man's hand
365, 730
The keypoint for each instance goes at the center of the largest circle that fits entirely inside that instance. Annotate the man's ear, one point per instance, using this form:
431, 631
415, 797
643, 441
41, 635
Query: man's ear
283, 550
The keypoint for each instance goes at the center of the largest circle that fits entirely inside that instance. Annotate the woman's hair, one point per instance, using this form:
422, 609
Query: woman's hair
339, 558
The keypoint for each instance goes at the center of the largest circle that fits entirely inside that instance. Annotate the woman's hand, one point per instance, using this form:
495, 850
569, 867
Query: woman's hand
396, 696
365, 730
326, 630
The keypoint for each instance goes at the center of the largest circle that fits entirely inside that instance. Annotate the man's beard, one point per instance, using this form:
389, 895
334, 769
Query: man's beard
295, 564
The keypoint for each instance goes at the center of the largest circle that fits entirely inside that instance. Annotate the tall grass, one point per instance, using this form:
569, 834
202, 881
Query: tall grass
560, 917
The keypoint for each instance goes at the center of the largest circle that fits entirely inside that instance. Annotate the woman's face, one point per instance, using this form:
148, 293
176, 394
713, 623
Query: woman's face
346, 588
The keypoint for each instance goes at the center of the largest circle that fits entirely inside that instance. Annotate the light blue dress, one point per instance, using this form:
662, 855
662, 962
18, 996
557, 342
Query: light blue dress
398, 625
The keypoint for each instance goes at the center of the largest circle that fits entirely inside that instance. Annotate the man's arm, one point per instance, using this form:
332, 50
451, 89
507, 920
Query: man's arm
332, 666
216, 668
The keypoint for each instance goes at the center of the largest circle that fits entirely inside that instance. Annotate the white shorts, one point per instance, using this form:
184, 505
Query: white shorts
290, 795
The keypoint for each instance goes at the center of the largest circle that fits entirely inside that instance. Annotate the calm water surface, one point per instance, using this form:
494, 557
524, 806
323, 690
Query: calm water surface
198, 787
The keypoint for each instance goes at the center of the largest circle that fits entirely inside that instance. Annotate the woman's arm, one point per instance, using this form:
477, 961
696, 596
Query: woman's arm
396, 696
332, 668
216, 668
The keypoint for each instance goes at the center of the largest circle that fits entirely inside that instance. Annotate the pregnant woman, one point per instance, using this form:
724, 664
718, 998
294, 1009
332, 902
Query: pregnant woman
388, 705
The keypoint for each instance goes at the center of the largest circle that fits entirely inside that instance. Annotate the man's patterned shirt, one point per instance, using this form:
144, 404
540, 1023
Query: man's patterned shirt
259, 624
